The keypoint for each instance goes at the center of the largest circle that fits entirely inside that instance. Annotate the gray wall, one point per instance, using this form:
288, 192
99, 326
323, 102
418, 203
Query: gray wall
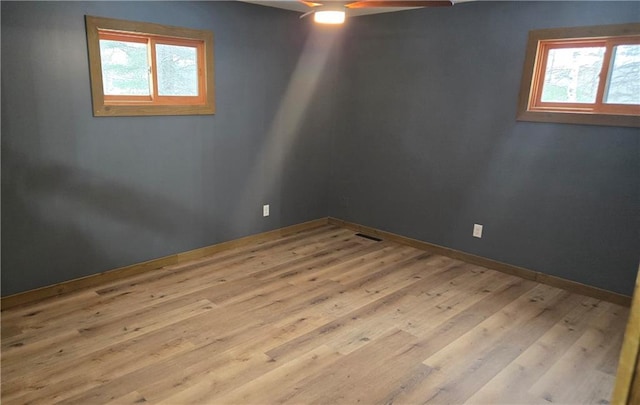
81, 195
429, 144
409, 128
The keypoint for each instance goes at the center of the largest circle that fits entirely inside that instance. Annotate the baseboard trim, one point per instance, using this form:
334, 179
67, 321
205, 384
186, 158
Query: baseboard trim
31, 296
522, 272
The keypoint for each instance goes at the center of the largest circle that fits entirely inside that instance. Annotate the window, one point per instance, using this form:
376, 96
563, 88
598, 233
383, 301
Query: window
584, 75
149, 69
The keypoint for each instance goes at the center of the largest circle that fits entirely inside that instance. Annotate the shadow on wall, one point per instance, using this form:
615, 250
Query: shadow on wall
63, 222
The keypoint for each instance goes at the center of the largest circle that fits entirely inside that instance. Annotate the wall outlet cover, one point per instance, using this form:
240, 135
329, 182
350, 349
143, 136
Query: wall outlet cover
477, 230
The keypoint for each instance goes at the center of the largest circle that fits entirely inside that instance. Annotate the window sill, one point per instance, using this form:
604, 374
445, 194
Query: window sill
586, 118
140, 110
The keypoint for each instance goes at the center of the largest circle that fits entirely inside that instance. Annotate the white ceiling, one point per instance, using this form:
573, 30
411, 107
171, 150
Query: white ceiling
295, 5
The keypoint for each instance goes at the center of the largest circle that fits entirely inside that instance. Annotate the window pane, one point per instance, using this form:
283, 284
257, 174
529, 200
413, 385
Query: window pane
624, 83
572, 75
177, 70
125, 70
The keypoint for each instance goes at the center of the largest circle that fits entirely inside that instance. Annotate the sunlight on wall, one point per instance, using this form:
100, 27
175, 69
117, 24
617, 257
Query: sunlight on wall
286, 124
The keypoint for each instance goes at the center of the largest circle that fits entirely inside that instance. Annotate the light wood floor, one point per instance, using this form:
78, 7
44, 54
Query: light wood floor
322, 316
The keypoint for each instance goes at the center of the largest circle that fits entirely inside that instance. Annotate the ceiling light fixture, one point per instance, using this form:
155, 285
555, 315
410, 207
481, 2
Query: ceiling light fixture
329, 16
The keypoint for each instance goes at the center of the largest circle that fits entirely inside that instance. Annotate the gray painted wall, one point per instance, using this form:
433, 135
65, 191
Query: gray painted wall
430, 145
410, 128
82, 195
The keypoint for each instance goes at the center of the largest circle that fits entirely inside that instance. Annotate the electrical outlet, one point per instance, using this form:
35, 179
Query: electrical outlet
265, 210
477, 230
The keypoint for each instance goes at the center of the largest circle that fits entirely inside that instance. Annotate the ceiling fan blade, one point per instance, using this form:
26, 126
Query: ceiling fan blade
399, 3
309, 3
307, 13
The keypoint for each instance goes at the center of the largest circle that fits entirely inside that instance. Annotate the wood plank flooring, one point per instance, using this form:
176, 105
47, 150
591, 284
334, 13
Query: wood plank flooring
320, 316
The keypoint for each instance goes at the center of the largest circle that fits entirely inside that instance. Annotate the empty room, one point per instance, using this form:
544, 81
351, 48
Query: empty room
328, 202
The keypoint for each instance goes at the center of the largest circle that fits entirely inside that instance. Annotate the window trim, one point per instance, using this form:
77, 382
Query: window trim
202, 104
528, 110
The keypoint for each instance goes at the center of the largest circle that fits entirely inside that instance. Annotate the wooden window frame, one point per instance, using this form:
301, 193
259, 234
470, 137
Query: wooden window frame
530, 106
151, 34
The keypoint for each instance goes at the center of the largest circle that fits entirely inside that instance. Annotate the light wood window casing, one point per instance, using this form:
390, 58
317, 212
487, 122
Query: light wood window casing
597, 111
147, 39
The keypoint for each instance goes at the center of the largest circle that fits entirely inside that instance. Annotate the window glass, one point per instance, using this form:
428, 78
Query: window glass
177, 70
624, 83
125, 68
572, 75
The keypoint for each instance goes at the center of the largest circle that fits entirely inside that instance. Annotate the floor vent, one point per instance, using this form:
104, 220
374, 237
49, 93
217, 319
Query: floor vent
362, 235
